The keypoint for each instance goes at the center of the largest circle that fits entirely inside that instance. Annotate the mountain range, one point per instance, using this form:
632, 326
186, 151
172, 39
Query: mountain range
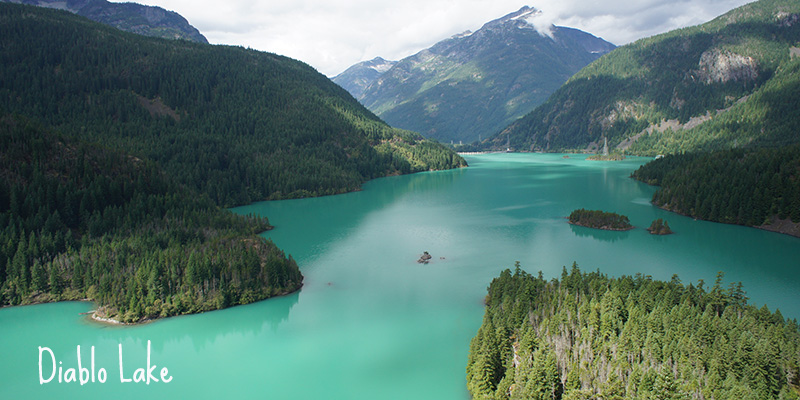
130, 17
474, 84
731, 82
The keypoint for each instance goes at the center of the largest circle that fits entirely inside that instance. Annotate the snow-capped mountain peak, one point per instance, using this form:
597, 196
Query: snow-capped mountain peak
524, 13
535, 19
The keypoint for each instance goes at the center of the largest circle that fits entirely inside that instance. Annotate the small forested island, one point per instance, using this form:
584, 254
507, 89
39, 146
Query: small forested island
599, 219
659, 227
588, 336
752, 187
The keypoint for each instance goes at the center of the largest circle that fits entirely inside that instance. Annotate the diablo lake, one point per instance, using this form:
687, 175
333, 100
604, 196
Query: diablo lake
372, 323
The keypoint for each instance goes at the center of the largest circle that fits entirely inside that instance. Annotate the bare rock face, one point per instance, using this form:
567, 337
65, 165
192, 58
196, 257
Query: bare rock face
129, 17
721, 67
786, 20
425, 258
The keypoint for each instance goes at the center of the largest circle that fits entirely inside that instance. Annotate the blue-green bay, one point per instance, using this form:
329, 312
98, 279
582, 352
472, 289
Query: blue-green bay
372, 323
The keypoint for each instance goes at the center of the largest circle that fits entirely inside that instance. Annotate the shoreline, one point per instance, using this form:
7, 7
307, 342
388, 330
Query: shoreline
93, 317
472, 153
111, 321
566, 152
359, 188
783, 227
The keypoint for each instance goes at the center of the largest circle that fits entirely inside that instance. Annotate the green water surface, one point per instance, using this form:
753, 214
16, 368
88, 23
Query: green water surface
371, 323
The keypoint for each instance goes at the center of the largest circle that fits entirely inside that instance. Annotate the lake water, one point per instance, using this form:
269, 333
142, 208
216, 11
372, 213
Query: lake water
371, 323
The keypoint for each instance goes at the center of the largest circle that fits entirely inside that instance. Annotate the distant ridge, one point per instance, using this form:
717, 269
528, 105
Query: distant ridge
359, 76
129, 17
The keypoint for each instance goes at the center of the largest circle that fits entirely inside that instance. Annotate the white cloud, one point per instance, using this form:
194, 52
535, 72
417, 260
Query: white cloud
542, 22
332, 35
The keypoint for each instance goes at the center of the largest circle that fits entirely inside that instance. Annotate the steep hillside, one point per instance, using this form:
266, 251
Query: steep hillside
731, 82
358, 77
130, 17
237, 124
474, 84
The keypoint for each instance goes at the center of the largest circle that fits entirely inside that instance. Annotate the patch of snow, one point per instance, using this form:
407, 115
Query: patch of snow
58, 5
462, 35
382, 67
524, 16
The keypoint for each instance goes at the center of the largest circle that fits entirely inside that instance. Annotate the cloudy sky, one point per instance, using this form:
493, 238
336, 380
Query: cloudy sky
331, 35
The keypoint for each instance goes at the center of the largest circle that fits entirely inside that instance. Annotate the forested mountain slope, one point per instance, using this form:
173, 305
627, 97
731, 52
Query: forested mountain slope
732, 82
130, 17
478, 82
237, 124
588, 336
78, 221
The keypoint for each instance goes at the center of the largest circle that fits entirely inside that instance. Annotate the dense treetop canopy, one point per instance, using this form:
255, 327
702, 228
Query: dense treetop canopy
586, 335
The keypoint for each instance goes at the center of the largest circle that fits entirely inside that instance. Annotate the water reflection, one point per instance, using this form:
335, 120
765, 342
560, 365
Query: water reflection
599, 234
202, 330
342, 213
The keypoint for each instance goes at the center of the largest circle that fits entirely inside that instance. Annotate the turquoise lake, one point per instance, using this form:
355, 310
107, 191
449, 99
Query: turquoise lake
371, 323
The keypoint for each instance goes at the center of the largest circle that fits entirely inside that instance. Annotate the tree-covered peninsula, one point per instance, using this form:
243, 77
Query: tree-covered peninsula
599, 219
755, 187
588, 336
78, 221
